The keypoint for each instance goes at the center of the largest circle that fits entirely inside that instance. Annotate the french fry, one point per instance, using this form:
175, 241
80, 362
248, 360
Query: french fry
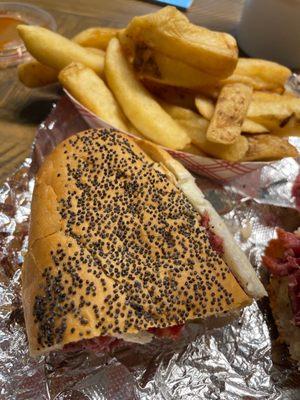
178, 112
291, 128
134, 131
231, 109
138, 104
287, 131
206, 108
269, 147
232, 152
34, 74
267, 110
250, 126
192, 149
97, 52
260, 74
90, 90
271, 109
196, 128
97, 37
174, 95
158, 67
255, 82
56, 51
169, 32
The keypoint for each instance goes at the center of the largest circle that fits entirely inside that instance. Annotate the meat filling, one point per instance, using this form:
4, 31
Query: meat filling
106, 343
215, 241
282, 258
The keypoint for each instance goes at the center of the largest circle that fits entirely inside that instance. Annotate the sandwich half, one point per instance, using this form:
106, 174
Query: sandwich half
282, 259
123, 245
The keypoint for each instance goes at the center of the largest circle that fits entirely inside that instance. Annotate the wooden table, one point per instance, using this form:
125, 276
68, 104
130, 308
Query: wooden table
22, 109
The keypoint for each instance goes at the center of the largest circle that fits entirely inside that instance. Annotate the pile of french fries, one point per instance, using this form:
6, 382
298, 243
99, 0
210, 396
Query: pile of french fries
177, 84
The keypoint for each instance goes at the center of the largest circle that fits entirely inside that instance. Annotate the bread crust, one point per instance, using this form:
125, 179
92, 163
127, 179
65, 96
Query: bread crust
60, 257
233, 255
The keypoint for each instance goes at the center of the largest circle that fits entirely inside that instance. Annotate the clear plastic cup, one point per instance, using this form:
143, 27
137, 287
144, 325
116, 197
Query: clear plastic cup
14, 51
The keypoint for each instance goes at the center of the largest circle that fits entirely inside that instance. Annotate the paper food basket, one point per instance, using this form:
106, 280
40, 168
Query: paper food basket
219, 170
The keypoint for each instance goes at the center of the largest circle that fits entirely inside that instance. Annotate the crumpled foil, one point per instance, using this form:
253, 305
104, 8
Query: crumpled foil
241, 360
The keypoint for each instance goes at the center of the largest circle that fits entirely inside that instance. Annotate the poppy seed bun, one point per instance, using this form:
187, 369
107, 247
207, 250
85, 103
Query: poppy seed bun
115, 247
233, 255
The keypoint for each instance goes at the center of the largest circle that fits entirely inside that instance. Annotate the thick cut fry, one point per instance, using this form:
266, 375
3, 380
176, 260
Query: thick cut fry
157, 67
34, 74
287, 131
261, 74
255, 82
271, 109
291, 128
138, 104
174, 95
269, 147
196, 128
134, 131
231, 109
56, 51
97, 37
97, 52
169, 32
232, 152
206, 108
250, 126
90, 90
192, 149
177, 112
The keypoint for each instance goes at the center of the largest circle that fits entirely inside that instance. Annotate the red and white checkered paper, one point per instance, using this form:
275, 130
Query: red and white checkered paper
220, 170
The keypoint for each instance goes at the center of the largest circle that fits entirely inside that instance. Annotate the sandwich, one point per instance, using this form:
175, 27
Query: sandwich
282, 259
123, 246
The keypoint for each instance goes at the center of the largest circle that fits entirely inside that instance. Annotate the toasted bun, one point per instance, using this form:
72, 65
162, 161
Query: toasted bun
283, 315
233, 255
115, 247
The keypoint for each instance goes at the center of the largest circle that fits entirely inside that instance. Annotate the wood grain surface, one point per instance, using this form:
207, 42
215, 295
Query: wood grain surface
22, 109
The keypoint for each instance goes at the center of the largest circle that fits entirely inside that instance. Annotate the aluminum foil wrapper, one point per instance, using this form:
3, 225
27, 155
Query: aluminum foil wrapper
241, 360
